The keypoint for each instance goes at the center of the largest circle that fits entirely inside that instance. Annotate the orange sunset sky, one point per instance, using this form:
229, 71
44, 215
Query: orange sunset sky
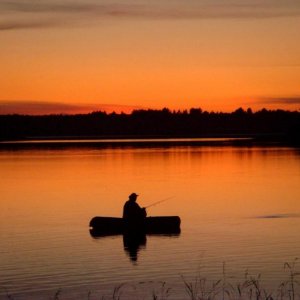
69, 56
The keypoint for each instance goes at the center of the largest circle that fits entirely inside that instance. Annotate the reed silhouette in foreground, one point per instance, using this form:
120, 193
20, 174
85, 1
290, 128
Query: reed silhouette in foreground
251, 287
200, 288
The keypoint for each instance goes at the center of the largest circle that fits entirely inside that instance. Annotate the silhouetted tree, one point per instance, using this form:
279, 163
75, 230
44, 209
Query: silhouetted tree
154, 123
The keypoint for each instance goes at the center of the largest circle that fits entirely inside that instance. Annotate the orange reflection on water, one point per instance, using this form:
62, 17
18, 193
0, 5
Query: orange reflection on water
237, 204
199, 180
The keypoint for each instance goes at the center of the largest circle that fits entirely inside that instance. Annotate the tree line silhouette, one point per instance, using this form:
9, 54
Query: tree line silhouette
153, 123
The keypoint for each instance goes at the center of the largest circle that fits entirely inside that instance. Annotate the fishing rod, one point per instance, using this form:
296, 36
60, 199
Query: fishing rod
157, 202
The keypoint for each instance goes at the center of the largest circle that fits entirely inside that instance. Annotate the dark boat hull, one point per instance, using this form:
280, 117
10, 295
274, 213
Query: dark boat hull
151, 225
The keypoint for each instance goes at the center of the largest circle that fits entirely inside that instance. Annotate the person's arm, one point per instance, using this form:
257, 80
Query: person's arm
144, 212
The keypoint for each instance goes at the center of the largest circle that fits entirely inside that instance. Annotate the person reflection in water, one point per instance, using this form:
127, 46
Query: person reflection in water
133, 244
132, 212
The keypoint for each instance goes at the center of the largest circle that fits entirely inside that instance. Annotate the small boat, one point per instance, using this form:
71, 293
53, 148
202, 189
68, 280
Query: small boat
151, 225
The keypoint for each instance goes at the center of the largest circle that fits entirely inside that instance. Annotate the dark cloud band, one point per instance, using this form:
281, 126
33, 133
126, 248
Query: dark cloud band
77, 11
44, 108
280, 100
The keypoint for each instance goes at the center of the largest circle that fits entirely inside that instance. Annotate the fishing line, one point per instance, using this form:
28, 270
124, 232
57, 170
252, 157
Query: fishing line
158, 202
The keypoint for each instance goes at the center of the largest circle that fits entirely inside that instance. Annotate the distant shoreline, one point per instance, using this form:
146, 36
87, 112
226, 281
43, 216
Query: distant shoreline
261, 127
142, 142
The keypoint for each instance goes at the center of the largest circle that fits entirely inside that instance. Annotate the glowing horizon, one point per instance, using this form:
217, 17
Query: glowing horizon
73, 56
49, 108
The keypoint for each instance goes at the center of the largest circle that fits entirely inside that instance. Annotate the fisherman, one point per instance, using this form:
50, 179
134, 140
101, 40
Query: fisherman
132, 211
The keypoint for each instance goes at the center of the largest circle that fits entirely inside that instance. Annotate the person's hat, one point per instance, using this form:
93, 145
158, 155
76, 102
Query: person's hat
133, 195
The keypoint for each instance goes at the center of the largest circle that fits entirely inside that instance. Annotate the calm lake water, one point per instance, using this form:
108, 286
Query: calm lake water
239, 207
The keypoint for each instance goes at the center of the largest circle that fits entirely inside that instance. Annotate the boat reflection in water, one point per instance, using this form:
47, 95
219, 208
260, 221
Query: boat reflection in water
134, 242
135, 237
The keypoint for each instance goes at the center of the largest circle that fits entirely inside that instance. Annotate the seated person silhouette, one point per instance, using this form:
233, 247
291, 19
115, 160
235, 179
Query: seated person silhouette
133, 214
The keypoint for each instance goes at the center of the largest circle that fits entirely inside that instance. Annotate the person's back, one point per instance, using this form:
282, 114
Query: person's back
132, 212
